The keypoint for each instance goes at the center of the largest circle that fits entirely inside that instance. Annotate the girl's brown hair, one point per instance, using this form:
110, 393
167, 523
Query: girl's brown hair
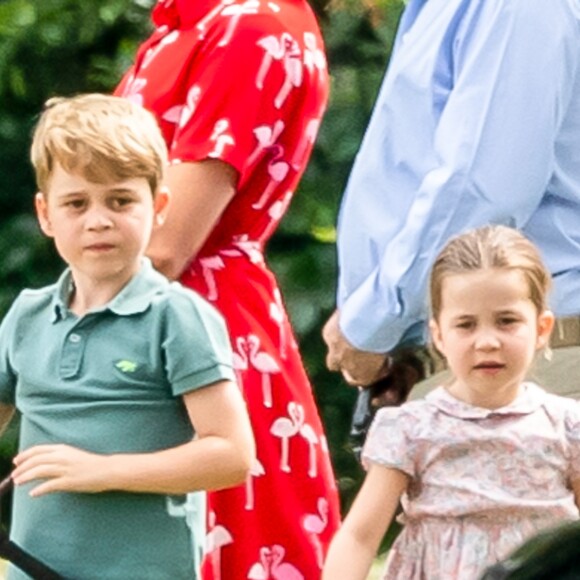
488, 248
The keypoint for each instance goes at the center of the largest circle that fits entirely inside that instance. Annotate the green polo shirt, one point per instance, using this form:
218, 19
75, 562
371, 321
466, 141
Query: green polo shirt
108, 382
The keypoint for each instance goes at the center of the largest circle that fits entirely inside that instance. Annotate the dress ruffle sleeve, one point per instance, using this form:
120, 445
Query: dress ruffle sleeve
389, 443
572, 428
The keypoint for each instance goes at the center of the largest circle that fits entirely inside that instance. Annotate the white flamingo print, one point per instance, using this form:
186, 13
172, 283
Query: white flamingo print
266, 135
236, 11
208, 266
217, 537
308, 433
307, 140
265, 364
221, 138
315, 524
277, 210
181, 114
277, 170
133, 89
285, 428
240, 360
313, 56
272, 565
242, 245
294, 72
202, 24
274, 48
155, 50
257, 470
277, 315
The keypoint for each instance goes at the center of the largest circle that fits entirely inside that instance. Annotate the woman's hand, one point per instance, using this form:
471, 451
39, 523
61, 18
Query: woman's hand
60, 468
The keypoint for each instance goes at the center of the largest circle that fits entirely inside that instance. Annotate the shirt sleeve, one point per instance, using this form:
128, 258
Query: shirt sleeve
196, 347
493, 156
239, 82
388, 442
8, 377
572, 429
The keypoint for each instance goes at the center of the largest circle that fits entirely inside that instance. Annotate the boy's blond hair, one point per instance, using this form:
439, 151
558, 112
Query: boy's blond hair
102, 137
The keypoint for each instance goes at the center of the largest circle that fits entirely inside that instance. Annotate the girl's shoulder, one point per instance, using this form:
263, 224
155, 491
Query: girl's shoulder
560, 408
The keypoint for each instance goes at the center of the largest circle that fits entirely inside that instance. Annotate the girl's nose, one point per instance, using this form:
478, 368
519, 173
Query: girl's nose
487, 339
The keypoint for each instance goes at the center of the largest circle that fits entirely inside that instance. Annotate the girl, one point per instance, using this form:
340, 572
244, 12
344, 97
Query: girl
483, 462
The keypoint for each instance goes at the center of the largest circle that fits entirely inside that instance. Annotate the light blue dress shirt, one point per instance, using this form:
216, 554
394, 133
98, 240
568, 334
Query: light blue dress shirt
477, 121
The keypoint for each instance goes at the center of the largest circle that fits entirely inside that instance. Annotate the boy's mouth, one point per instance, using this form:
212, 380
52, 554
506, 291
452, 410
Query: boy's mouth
99, 247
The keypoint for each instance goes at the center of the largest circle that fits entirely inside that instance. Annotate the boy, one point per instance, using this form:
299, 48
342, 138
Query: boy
102, 365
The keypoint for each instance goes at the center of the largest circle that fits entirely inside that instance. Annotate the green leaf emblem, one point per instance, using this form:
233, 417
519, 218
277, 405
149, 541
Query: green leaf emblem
126, 366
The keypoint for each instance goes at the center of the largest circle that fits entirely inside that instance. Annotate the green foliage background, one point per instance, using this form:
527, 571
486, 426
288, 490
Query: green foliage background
63, 47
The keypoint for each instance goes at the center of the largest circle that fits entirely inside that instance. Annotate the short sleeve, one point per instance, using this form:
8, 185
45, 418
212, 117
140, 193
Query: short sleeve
239, 82
388, 442
7, 375
196, 344
572, 428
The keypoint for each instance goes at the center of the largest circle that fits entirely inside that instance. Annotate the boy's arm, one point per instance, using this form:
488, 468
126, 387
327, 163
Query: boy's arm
220, 456
356, 543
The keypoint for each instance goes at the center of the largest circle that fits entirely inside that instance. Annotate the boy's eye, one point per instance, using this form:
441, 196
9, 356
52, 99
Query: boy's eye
75, 203
466, 324
121, 201
507, 321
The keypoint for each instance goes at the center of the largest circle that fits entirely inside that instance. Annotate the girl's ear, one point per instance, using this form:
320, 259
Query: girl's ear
161, 205
42, 214
546, 322
436, 337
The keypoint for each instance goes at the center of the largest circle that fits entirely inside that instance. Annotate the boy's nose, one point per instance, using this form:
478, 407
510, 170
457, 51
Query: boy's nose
98, 218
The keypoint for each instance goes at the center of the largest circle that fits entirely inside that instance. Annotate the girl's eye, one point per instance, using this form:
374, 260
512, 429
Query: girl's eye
507, 321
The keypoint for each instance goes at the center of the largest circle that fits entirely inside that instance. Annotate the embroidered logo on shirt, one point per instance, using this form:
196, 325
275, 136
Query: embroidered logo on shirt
126, 366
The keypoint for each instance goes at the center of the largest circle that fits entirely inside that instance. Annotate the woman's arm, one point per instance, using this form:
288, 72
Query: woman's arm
220, 456
357, 541
200, 191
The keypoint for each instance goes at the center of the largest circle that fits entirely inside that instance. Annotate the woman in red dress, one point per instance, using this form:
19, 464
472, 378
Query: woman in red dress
239, 89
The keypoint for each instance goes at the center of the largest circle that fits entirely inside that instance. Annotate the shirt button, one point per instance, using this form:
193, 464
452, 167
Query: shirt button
74, 338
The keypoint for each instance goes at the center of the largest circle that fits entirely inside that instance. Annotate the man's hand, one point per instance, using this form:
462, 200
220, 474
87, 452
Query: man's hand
358, 367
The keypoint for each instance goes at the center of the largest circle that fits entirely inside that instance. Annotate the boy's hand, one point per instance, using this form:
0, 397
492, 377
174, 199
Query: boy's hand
63, 468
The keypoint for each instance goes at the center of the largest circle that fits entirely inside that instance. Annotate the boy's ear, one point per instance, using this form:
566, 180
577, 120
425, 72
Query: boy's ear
436, 338
161, 205
42, 213
546, 321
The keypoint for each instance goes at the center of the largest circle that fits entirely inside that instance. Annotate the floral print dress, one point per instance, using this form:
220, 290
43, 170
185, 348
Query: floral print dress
246, 82
481, 481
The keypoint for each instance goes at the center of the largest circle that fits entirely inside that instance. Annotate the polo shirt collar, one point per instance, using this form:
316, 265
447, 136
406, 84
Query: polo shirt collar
134, 298
529, 400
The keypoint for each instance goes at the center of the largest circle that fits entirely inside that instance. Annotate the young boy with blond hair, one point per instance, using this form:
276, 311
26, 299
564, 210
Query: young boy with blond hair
114, 369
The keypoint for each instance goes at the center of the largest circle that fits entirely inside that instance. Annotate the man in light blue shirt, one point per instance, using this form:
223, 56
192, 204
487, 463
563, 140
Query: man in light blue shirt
477, 121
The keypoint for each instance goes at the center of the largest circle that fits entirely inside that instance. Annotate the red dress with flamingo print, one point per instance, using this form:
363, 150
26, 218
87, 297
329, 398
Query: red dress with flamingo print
245, 81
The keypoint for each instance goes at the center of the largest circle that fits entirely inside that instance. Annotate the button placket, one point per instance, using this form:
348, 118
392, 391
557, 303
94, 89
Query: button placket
72, 354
